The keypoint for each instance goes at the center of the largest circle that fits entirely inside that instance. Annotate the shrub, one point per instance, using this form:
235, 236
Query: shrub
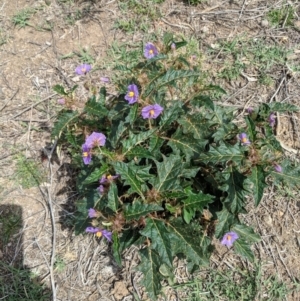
163, 167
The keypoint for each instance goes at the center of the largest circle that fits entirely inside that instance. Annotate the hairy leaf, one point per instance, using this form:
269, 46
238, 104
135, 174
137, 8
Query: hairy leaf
96, 174
138, 209
134, 176
282, 107
92, 107
167, 172
170, 115
116, 249
194, 124
134, 140
102, 95
149, 266
236, 186
183, 241
246, 233
160, 239
113, 200
194, 202
64, 120
258, 176
60, 90
225, 220
242, 247
222, 154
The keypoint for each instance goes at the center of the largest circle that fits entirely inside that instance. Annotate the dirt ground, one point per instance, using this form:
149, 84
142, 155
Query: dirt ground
32, 61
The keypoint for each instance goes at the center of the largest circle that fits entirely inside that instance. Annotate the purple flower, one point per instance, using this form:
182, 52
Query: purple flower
229, 238
132, 94
92, 213
107, 235
150, 51
250, 110
173, 46
99, 233
278, 168
105, 80
152, 111
107, 179
95, 139
86, 154
272, 119
100, 189
244, 139
61, 101
83, 69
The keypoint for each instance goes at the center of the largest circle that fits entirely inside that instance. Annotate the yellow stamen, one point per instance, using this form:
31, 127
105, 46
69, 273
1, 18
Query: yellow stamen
152, 112
131, 94
151, 51
244, 140
99, 234
109, 177
85, 154
83, 70
229, 237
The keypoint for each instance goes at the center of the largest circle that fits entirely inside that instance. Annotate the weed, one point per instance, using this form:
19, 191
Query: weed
125, 25
10, 224
59, 265
20, 284
282, 17
235, 285
22, 17
28, 172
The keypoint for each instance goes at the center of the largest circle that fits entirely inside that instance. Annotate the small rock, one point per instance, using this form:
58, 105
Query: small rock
264, 23
297, 24
205, 29
76, 79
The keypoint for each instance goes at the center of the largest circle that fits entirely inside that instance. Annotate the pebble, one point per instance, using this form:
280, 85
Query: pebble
264, 23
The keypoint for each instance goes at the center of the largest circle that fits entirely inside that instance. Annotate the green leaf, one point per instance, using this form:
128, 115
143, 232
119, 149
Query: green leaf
236, 186
160, 239
246, 233
139, 152
133, 113
251, 128
113, 200
257, 177
134, 176
225, 220
222, 154
241, 247
183, 241
194, 202
95, 108
170, 115
134, 140
138, 209
193, 124
186, 144
118, 130
167, 172
289, 176
96, 174
282, 107
65, 119
149, 266
60, 90
202, 100
102, 95
116, 249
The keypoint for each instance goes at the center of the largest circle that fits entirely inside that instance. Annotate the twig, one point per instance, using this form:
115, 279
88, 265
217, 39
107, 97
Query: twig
178, 25
35, 104
276, 92
10, 99
282, 261
242, 10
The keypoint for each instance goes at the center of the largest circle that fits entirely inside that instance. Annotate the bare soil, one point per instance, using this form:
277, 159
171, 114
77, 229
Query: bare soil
32, 62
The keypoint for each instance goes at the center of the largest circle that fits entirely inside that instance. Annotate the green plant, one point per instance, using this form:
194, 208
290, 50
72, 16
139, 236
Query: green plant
19, 284
59, 265
282, 16
153, 157
235, 284
22, 17
28, 172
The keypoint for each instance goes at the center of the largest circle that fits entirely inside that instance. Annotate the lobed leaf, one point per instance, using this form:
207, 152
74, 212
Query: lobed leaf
246, 233
242, 247
257, 178
138, 209
225, 221
112, 196
160, 239
65, 119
